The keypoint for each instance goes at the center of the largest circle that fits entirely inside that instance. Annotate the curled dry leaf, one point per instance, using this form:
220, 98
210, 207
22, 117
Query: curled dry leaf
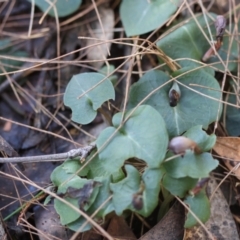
119, 229
7, 148
220, 25
100, 50
229, 149
83, 194
211, 52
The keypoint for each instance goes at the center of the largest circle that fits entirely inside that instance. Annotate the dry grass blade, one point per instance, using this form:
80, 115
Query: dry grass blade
31, 100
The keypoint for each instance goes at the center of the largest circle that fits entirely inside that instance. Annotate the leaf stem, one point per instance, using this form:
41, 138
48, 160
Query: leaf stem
105, 115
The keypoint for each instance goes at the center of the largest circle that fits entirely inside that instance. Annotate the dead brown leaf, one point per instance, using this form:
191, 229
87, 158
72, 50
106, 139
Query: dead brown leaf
7, 148
119, 229
229, 149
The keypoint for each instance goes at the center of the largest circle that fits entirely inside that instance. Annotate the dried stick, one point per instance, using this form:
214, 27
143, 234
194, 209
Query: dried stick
78, 152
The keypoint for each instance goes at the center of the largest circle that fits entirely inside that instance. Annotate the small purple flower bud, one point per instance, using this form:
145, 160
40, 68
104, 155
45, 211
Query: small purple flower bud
220, 25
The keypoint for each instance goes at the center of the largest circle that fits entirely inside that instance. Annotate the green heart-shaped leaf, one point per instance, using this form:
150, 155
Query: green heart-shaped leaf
99, 168
192, 109
200, 206
188, 43
143, 136
73, 166
142, 16
77, 224
204, 141
125, 190
191, 165
66, 171
63, 7
64, 176
103, 195
67, 213
151, 179
102, 210
85, 93
178, 186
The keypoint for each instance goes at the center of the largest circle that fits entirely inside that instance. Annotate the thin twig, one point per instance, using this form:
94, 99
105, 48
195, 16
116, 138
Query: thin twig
78, 152
5, 84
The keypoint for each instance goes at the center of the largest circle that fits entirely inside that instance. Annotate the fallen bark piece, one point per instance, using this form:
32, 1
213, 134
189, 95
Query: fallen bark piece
170, 227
